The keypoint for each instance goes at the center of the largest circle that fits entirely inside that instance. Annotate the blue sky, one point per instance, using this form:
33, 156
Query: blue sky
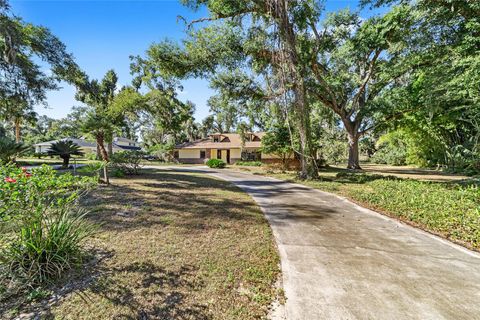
103, 34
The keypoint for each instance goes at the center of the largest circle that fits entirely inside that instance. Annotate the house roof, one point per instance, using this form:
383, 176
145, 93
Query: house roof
126, 147
89, 144
81, 142
120, 139
233, 141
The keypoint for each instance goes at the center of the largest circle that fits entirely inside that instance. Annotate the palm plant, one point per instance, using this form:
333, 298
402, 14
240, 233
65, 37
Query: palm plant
9, 149
65, 149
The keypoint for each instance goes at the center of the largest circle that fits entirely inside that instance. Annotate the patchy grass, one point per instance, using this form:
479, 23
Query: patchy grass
175, 245
449, 209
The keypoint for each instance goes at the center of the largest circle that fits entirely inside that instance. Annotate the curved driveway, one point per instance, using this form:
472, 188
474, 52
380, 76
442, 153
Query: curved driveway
341, 261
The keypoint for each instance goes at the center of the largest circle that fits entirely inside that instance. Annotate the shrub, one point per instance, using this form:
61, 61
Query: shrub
94, 168
91, 156
23, 192
9, 150
65, 149
216, 163
249, 163
127, 162
164, 151
40, 233
392, 149
48, 245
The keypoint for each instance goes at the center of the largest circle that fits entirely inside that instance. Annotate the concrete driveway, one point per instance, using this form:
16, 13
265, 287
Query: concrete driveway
341, 261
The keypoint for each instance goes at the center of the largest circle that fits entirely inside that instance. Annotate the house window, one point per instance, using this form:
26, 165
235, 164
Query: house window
175, 154
251, 155
215, 139
219, 154
202, 154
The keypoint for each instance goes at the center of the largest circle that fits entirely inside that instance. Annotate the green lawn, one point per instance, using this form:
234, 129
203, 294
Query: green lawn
449, 209
190, 247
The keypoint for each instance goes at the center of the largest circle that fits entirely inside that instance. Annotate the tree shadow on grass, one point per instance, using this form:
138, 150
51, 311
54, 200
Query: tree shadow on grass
157, 294
148, 291
151, 200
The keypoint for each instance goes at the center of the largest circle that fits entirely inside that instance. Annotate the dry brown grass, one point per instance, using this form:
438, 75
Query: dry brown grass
192, 247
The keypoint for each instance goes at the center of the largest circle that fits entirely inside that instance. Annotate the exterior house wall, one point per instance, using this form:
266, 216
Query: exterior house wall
213, 153
235, 155
190, 156
224, 155
188, 153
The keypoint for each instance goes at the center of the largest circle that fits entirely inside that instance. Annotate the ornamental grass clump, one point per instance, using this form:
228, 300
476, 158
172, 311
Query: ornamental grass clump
42, 228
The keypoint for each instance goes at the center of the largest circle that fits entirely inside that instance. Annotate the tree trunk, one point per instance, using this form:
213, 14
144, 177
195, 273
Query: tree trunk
18, 134
103, 152
300, 103
353, 155
66, 161
110, 149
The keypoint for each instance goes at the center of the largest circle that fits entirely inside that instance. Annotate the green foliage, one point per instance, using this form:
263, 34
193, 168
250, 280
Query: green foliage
9, 150
127, 162
23, 80
359, 177
41, 227
332, 145
91, 156
216, 163
163, 151
94, 168
451, 210
391, 149
47, 246
278, 142
249, 163
28, 191
65, 149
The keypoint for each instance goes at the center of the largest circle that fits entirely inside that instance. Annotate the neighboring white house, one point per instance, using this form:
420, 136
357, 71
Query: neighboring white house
119, 144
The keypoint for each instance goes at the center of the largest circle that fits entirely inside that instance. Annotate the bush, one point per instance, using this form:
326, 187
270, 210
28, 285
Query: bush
94, 168
164, 152
24, 193
127, 162
249, 163
91, 156
49, 244
41, 232
392, 149
216, 163
9, 150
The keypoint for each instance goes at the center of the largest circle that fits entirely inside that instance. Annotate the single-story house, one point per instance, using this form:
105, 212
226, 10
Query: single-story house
119, 144
225, 146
